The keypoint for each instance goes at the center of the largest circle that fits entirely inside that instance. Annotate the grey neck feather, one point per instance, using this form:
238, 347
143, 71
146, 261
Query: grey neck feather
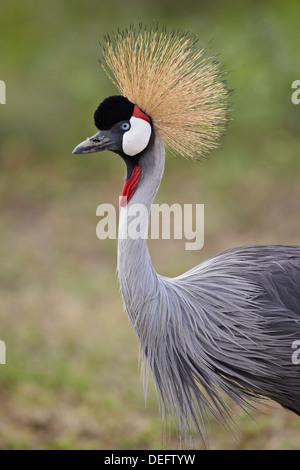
137, 277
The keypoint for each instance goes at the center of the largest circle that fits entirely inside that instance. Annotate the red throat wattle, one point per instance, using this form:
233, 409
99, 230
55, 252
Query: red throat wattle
130, 186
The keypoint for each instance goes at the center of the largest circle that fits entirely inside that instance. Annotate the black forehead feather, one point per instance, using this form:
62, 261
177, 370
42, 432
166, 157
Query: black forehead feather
112, 110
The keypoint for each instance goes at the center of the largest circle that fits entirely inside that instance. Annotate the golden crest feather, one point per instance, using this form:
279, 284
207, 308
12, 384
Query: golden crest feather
177, 85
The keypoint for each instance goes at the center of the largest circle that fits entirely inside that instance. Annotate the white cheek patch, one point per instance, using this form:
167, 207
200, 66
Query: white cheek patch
137, 138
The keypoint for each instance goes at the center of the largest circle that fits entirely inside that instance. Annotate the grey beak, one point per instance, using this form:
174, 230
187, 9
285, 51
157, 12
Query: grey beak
97, 143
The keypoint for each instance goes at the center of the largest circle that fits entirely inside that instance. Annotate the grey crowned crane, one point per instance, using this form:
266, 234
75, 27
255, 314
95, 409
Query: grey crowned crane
225, 328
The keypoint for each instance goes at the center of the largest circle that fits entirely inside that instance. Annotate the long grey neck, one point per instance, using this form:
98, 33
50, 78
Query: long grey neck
137, 276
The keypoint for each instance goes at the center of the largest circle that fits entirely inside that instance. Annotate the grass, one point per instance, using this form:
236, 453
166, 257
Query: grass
71, 377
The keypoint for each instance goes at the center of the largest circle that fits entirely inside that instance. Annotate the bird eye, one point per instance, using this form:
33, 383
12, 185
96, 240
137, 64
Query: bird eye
125, 126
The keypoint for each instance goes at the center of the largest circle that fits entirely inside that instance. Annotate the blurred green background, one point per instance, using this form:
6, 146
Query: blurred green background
71, 379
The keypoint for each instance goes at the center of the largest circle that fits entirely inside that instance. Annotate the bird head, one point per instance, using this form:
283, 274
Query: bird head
163, 75
124, 129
